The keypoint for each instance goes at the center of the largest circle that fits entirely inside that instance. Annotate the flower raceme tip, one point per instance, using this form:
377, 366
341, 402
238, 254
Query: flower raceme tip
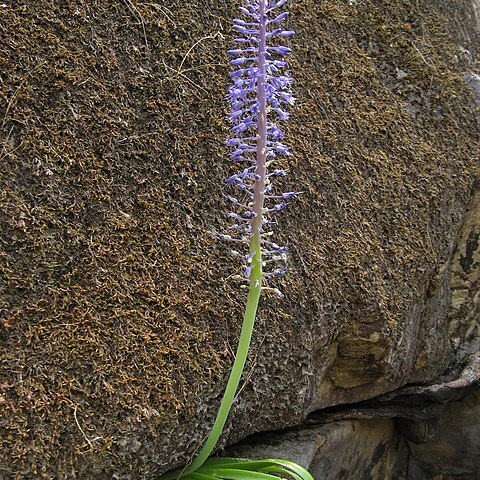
259, 97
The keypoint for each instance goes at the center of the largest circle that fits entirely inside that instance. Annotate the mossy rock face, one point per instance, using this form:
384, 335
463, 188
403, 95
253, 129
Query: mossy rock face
118, 314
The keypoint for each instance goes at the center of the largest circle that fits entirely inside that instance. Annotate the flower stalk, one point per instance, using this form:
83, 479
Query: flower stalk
233, 380
259, 96
257, 90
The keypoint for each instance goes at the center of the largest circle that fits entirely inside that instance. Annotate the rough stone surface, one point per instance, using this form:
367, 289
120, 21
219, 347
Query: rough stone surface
118, 311
344, 450
447, 446
416, 402
464, 311
429, 432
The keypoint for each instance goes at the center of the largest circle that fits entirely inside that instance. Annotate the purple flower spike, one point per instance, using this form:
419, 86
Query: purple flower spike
259, 98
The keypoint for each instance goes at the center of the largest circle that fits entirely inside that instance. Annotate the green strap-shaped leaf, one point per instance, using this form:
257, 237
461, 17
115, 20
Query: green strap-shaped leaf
238, 474
200, 476
294, 467
282, 471
259, 465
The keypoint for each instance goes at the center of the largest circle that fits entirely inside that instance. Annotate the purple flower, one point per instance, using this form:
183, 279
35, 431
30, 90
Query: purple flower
259, 98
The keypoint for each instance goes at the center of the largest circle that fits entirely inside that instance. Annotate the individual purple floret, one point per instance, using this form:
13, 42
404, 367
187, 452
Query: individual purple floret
259, 97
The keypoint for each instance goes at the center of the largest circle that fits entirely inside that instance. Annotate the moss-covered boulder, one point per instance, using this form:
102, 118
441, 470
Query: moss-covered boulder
118, 311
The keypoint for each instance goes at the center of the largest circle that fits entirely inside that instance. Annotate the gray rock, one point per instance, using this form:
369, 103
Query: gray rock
447, 446
429, 432
343, 450
464, 309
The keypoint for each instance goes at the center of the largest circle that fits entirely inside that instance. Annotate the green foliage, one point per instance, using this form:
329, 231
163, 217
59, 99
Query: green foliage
242, 469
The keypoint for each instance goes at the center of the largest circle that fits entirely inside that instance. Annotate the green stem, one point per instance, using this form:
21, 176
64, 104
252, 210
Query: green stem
235, 374
255, 250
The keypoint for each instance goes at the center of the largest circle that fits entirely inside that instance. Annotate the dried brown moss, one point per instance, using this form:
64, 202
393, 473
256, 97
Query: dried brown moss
112, 329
